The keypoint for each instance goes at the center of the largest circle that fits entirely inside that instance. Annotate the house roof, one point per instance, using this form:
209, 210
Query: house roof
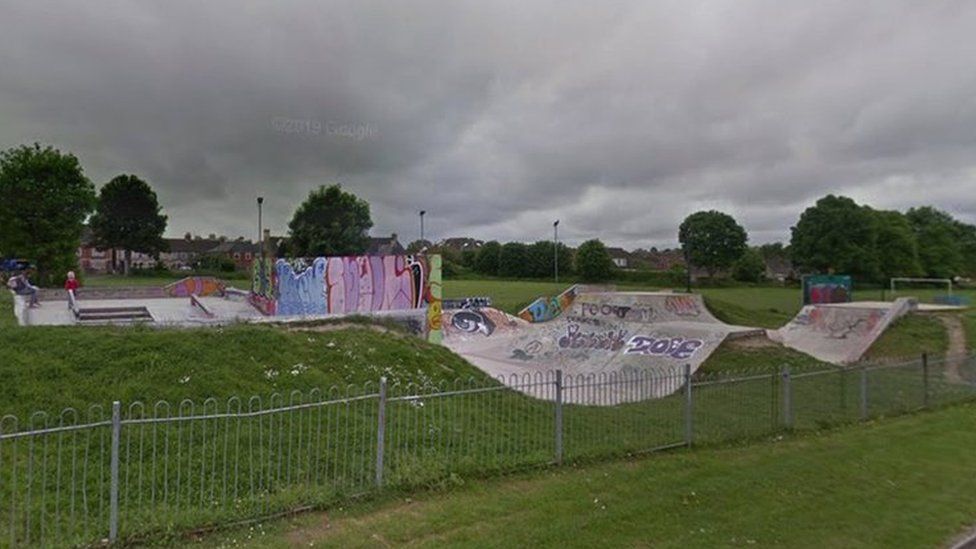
388, 245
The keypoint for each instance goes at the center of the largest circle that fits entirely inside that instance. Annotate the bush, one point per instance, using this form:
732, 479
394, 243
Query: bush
513, 260
487, 260
593, 262
750, 267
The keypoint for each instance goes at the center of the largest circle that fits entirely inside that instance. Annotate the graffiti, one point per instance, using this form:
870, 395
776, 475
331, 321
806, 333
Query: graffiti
584, 320
604, 309
674, 347
548, 308
263, 283
466, 303
837, 323
611, 340
682, 305
200, 285
357, 284
472, 321
826, 289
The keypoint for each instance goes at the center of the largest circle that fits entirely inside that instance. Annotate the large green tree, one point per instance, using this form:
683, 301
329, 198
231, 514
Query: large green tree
44, 200
541, 258
331, 222
513, 260
749, 267
593, 262
939, 247
967, 246
895, 243
487, 260
128, 217
712, 240
836, 235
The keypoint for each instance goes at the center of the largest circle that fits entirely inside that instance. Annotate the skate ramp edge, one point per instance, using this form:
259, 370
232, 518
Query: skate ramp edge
840, 333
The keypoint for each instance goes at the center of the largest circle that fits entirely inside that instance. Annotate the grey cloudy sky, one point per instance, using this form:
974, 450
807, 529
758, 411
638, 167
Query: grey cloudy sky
619, 118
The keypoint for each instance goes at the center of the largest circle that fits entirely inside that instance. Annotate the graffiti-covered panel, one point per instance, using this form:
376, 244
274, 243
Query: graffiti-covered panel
346, 285
827, 289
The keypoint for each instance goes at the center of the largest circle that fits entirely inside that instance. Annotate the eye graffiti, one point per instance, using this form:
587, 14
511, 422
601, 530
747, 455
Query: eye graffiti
674, 347
472, 321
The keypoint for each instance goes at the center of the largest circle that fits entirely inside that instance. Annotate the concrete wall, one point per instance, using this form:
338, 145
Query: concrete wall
349, 285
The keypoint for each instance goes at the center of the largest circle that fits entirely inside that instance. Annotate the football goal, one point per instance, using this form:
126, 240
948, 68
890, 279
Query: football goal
921, 283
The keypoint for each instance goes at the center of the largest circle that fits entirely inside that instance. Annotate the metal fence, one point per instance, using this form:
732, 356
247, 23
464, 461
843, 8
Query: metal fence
136, 471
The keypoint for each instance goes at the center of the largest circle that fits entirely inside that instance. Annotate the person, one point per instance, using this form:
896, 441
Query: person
21, 285
71, 285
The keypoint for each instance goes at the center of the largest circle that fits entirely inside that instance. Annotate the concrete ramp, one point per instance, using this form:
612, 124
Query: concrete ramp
599, 334
840, 332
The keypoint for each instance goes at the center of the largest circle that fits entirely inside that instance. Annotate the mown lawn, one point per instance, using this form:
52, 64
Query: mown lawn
904, 482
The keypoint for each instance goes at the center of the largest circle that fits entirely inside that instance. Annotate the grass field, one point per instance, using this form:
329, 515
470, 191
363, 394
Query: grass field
905, 482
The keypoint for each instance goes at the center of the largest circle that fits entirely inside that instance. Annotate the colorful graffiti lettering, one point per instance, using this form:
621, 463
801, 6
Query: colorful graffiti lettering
674, 347
827, 289
611, 340
200, 286
548, 308
358, 284
263, 284
682, 305
472, 321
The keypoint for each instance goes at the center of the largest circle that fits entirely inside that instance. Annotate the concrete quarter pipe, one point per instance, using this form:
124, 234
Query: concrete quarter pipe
600, 334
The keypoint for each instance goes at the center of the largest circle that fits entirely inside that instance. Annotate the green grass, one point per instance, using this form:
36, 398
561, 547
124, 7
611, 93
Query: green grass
507, 295
910, 336
118, 281
898, 483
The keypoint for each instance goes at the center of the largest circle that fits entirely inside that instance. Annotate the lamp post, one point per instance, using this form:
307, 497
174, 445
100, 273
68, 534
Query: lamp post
555, 250
687, 272
260, 228
422, 212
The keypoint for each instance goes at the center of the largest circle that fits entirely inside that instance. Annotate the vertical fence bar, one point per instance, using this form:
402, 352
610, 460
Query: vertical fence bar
113, 516
787, 398
864, 393
925, 380
689, 418
380, 431
558, 426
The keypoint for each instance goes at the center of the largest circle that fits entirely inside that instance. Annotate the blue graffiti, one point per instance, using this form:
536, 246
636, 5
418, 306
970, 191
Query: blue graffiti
303, 293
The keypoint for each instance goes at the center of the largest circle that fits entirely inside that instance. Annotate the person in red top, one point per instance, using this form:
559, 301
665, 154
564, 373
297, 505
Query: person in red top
71, 284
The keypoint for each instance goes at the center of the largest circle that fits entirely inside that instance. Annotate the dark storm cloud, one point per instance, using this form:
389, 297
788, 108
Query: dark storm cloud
498, 118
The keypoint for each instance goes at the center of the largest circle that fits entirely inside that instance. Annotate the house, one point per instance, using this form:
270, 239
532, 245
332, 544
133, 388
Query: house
185, 252
388, 245
620, 257
241, 252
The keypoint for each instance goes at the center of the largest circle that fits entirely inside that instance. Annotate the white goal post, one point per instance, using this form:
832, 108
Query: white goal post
945, 281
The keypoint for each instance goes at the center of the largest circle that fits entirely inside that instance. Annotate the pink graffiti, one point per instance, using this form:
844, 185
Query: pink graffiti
674, 347
373, 283
682, 305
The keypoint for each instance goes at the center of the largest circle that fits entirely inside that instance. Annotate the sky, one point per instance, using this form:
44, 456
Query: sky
497, 118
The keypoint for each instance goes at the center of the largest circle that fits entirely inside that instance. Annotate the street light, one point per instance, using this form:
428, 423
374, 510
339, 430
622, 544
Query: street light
555, 250
687, 271
260, 228
422, 212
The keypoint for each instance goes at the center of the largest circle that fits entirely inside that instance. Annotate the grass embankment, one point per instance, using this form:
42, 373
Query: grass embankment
905, 482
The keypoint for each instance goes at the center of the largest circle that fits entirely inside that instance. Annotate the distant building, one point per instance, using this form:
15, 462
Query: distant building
388, 245
620, 257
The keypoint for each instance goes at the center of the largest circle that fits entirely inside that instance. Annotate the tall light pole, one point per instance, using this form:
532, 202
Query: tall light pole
422, 212
555, 250
260, 227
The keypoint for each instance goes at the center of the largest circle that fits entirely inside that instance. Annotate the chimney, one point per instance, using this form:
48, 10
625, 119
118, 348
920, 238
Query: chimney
393, 237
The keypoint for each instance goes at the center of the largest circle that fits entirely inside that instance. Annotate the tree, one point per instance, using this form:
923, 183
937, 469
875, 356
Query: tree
967, 246
750, 266
128, 217
712, 240
487, 260
417, 245
896, 251
937, 235
512, 260
44, 200
331, 222
593, 262
541, 256
836, 235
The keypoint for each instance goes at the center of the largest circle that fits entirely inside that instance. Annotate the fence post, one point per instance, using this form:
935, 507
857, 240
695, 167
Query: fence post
689, 417
113, 513
925, 380
380, 431
558, 426
864, 393
787, 398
